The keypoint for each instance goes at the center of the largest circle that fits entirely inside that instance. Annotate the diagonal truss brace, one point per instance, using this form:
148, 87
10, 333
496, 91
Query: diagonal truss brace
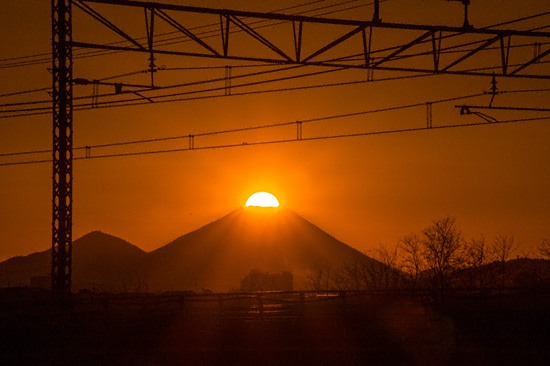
403, 48
94, 14
174, 23
387, 58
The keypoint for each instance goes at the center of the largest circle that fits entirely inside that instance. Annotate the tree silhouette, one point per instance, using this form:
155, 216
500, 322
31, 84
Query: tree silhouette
442, 242
544, 248
389, 273
502, 248
413, 262
475, 255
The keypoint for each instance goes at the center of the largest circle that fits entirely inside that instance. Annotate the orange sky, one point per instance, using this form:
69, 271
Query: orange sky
362, 190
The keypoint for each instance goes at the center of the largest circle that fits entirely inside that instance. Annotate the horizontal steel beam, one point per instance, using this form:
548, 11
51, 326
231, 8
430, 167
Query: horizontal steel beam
310, 63
386, 59
316, 20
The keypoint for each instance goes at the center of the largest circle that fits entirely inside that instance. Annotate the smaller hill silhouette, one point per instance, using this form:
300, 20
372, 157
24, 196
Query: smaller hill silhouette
520, 273
100, 261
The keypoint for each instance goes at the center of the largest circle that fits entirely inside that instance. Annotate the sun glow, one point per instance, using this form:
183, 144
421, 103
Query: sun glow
262, 199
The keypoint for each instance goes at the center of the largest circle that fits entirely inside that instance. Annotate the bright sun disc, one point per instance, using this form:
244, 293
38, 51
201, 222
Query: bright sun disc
262, 199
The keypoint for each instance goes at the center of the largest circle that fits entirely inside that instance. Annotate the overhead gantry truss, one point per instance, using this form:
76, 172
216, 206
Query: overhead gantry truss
427, 49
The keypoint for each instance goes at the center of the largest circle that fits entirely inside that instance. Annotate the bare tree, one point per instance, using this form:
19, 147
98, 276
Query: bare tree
475, 254
442, 243
358, 276
364, 274
320, 279
389, 273
412, 260
326, 278
544, 248
502, 248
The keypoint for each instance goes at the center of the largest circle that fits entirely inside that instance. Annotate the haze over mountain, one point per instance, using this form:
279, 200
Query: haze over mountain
221, 253
216, 256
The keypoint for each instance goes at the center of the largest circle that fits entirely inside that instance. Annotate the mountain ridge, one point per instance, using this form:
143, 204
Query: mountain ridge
101, 261
215, 256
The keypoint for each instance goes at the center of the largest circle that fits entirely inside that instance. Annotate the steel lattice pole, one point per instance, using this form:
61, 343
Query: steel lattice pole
62, 148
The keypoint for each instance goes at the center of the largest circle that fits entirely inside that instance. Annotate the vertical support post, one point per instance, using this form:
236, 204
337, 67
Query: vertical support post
224, 28
537, 49
505, 54
370, 72
62, 108
376, 13
298, 130
150, 25
95, 93
429, 115
436, 49
367, 46
228, 80
297, 39
466, 21
466, 3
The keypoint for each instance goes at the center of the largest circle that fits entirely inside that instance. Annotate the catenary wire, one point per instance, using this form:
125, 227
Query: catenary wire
281, 141
139, 101
126, 102
275, 125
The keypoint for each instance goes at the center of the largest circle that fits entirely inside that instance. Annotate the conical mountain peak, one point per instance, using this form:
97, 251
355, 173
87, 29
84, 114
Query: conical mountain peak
219, 254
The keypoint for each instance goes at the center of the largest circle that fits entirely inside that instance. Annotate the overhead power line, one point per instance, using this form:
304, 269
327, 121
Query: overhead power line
251, 128
282, 141
235, 94
219, 132
190, 95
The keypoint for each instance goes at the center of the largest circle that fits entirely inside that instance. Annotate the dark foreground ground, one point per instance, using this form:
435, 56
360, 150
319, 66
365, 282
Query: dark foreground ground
276, 329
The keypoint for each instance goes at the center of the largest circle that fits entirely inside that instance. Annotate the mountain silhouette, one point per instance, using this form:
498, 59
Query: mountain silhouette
220, 254
525, 273
100, 261
216, 256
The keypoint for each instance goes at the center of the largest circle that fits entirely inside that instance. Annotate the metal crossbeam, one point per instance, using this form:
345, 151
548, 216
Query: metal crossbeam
391, 59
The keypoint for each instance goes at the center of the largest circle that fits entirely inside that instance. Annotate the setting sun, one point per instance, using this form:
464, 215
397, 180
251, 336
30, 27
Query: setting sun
262, 199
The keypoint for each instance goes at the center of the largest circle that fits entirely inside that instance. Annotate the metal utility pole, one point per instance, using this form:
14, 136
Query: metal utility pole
62, 108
